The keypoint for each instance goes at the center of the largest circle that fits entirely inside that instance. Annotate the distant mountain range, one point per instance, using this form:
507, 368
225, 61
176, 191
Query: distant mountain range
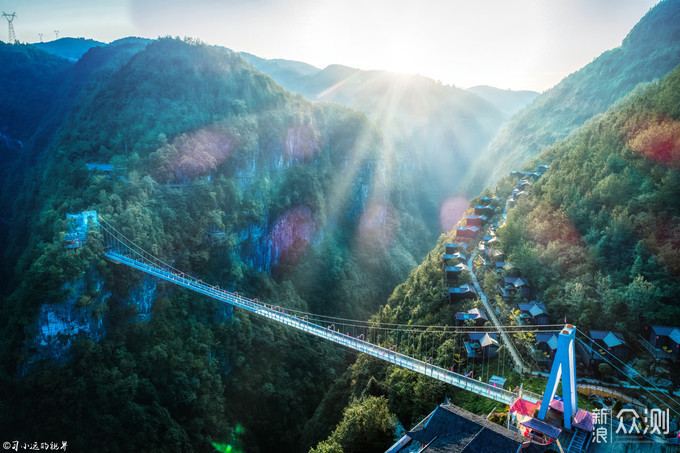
68, 48
437, 130
507, 101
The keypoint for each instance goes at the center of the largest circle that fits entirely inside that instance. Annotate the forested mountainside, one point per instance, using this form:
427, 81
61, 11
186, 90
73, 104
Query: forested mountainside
597, 236
650, 51
44, 89
437, 130
208, 164
599, 233
68, 48
30, 81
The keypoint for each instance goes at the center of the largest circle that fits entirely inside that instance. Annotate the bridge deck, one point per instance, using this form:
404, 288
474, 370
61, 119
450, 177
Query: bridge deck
456, 379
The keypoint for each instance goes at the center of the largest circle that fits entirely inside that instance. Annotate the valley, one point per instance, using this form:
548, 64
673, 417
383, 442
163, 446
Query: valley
441, 238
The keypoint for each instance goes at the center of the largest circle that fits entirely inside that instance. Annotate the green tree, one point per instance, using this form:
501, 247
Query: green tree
367, 425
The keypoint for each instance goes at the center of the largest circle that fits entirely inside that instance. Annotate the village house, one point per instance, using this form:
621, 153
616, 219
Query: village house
524, 173
486, 210
468, 232
523, 184
546, 343
474, 314
453, 272
454, 257
107, 169
462, 292
77, 234
533, 313
453, 247
665, 341
452, 429
508, 287
476, 220
603, 344
491, 201
482, 345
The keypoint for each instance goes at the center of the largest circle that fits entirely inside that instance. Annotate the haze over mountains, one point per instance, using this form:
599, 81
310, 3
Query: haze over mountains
320, 188
436, 130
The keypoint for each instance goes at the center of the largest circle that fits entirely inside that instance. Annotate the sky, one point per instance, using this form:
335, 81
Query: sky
509, 44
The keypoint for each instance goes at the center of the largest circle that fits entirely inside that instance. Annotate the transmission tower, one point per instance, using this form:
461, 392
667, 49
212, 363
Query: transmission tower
10, 18
56, 33
41, 37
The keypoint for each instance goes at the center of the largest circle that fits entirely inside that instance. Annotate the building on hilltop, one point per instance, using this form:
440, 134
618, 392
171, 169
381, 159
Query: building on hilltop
453, 247
546, 344
490, 201
77, 234
510, 286
476, 220
107, 169
454, 257
486, 210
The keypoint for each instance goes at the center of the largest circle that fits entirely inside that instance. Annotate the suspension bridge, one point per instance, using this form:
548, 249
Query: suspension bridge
120, 249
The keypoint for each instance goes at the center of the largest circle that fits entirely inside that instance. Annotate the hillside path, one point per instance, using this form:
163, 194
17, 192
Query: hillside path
521, 367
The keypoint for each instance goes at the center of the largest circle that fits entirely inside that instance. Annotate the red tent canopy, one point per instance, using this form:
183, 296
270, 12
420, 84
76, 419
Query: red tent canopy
524, 407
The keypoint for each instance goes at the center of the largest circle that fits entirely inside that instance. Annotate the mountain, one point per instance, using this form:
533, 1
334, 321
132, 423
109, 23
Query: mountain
598, 233
30, 80
37, 104
27, 99
68, 48
281, 70
435, 131
507, 101
650, 51
219, 170
596, 237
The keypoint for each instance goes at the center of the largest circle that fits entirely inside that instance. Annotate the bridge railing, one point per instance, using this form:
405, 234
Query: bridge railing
122, 250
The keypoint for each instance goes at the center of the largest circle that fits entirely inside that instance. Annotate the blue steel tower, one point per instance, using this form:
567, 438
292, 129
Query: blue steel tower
563, 368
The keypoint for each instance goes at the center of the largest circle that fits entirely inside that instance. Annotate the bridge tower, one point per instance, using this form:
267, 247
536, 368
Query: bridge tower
564, 369
10, 23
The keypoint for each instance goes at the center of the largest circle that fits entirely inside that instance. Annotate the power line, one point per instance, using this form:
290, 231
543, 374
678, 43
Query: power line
632, 379
625, 365
374, 325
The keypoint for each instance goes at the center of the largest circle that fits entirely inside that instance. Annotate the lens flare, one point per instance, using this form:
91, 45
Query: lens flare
659, 140
301, 143
291, 235
377, 226
451, 211
222, 448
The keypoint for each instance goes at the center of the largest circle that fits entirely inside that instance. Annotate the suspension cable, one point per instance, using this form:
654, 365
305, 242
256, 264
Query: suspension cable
632, 379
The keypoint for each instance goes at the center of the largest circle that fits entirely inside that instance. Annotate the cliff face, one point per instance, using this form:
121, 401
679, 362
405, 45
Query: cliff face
215, 169
80, 313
